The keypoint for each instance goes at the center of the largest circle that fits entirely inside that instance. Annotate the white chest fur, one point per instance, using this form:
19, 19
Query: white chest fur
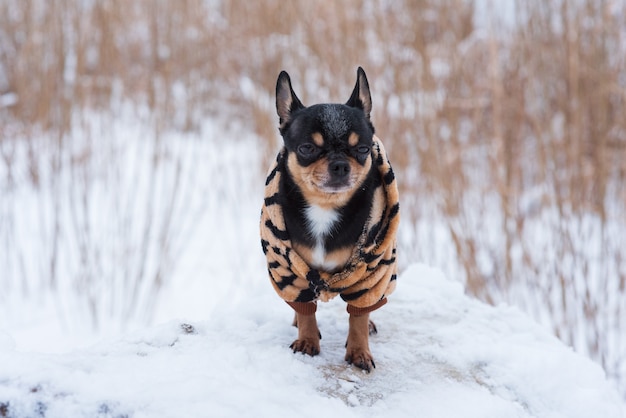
321, 222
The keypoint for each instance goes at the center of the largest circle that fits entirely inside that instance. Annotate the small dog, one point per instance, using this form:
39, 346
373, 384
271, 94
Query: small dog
330, 215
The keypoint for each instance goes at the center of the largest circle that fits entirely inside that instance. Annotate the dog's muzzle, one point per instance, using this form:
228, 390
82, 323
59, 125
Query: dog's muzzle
339, 174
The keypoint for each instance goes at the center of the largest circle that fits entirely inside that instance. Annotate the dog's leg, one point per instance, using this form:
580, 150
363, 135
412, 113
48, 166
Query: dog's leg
357, 347
372, 328
309, 336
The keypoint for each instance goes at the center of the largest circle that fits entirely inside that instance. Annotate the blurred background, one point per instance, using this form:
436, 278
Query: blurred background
135, 136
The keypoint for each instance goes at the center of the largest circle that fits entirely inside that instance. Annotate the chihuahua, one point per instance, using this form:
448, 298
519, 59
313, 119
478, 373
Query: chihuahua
330, 215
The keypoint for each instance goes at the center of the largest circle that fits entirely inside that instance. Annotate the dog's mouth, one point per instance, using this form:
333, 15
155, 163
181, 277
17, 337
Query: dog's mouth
335, 189
336, 186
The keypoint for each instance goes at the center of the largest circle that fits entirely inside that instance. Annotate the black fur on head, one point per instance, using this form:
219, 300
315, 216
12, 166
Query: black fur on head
288, 103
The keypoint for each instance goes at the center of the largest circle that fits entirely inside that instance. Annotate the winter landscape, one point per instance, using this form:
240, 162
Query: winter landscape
134, 142
438, 354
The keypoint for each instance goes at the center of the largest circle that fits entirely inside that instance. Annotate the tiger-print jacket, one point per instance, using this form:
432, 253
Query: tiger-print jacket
370, 274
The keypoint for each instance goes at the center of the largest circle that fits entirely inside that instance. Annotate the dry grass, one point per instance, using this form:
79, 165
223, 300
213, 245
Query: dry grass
516, 132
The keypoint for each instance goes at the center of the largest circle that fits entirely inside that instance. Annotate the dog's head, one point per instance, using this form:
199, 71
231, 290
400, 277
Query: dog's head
328, 145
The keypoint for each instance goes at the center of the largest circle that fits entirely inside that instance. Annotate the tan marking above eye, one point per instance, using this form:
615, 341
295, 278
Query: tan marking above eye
353, 139
318, 139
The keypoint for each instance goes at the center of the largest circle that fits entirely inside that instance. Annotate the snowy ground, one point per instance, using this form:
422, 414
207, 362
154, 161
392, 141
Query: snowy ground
438, 353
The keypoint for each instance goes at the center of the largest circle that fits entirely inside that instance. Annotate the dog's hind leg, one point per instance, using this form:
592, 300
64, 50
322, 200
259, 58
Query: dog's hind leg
371, 327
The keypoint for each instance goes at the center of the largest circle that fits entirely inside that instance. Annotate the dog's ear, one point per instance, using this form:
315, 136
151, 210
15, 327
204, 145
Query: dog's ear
361, 98
286, 99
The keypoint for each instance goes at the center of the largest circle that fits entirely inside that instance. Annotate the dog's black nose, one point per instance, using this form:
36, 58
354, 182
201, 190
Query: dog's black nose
339, 169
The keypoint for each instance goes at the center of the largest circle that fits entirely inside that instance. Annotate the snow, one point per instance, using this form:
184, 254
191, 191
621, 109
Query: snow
124, 234
438, 352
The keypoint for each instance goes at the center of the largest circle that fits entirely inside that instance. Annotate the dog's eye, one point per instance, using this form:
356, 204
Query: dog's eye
363, 149
307, 150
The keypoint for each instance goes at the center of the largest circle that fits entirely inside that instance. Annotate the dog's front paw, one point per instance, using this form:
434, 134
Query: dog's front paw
361, 358
308, 346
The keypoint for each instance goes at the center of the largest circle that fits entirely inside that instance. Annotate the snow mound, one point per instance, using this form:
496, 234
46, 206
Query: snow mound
438, 353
